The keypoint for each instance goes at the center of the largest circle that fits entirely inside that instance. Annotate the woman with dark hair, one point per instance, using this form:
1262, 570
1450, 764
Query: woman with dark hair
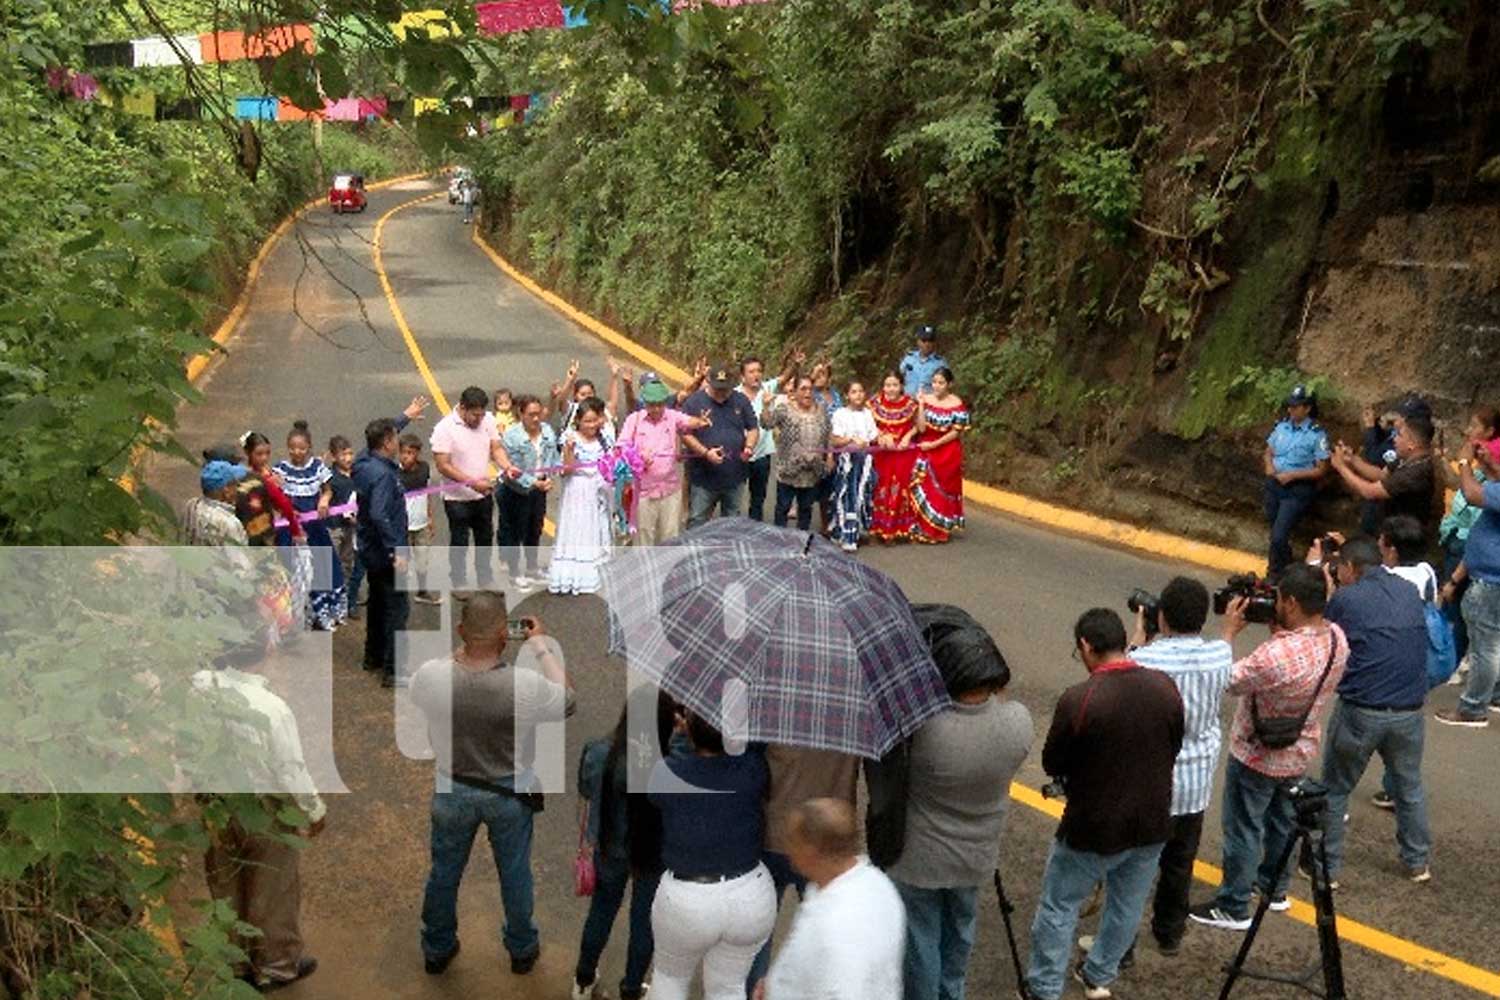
584, 541
624, 831
895, 414
1453, 532
715, 906
266, 487
937, 478
830, 399
307, 481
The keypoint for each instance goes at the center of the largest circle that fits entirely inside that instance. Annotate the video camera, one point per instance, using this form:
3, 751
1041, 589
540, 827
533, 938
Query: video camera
1260, 595
1143, 600
1310, 801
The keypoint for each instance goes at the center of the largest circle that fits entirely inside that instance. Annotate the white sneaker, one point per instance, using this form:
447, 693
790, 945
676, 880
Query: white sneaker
583, 992
525, 583
849, 547
1461, 675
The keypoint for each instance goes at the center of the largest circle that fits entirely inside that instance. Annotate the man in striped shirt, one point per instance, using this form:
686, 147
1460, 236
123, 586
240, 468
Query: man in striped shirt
1200, 668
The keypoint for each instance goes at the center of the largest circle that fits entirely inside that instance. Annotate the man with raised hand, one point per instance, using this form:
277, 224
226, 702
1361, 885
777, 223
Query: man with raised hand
1112, 745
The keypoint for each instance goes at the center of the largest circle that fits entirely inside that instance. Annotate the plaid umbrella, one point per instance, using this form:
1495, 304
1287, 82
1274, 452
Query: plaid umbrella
775, 636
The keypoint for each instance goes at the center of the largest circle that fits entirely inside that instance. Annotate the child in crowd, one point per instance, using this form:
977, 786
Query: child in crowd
415, 475
583, 522
340, 461
305, 478
854, 473
505, 409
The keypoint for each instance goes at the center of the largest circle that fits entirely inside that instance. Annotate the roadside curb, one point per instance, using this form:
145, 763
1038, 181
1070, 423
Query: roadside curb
1074, 522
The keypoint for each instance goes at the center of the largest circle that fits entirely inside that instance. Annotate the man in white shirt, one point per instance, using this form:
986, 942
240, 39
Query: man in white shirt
257, 872
822, 959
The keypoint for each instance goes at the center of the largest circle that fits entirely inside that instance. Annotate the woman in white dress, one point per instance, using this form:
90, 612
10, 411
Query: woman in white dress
854, 475
583, 521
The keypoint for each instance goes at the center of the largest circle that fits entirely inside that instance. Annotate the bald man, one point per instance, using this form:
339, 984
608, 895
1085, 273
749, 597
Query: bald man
850, 933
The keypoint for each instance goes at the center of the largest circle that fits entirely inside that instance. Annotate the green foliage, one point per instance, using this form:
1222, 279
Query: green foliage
123, 242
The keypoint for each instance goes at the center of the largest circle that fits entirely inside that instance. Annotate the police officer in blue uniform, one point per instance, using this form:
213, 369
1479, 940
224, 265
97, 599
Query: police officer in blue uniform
1296, 458
919, 365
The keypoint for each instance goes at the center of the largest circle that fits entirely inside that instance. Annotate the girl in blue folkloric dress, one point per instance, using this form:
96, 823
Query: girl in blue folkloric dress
305, 480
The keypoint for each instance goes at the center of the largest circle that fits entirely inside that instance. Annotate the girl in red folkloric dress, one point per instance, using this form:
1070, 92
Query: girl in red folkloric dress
896, 422
937, 479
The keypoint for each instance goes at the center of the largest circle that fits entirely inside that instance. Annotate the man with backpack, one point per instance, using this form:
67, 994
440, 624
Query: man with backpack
1380, 697
1283, 687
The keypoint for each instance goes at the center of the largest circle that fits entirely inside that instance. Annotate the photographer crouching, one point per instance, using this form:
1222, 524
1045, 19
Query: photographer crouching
1113, 742
1283, 687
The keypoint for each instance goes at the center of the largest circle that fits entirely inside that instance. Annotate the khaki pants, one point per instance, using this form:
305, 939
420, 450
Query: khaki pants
658, 519
257, 875
419, 541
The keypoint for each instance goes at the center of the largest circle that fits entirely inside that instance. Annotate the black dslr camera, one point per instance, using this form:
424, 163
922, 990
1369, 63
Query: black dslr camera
1261, 596
1143, 600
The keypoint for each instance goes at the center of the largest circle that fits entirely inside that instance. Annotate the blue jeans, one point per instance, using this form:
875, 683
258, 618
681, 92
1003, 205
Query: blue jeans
702, 501
609, 895
1453, 554
1482, 616
1285, 506
939, 937
1258, 823
456, 817
1067, 884
782, 875
1354, 735
806, 498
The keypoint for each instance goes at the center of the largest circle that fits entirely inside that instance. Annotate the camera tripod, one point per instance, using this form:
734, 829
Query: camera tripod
1309, 837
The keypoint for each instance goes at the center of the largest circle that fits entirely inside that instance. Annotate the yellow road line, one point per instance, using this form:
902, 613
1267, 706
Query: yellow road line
1098, 528
433, 389
1404, 951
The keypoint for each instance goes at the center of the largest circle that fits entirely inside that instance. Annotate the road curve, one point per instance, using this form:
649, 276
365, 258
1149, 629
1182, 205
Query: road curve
319, 342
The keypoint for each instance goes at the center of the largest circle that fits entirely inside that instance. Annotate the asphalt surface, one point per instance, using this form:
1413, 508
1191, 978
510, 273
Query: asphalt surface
319, 343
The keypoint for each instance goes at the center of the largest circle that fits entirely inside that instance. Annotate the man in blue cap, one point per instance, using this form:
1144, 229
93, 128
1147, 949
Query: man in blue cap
1296, 457
210, 519
921, 363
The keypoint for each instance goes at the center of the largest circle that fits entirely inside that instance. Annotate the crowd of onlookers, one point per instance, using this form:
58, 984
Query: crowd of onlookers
1358, 632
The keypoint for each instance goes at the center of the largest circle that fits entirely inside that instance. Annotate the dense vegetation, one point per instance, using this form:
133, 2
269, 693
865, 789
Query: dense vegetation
1110, 207
124, 243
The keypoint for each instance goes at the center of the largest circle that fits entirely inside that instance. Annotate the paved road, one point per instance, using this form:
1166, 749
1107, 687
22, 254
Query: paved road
327, 364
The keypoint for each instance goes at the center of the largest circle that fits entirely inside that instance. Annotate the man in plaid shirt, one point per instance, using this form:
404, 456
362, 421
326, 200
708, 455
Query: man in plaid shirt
1293, 672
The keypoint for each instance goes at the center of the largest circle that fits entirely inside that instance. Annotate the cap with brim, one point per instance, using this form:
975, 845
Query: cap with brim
216, 475
926, 333
655, 392
721, 377
1299, 396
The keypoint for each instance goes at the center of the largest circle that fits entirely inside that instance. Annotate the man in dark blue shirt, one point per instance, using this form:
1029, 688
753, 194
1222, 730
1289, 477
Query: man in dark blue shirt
1379, 707
381, 531
717, 474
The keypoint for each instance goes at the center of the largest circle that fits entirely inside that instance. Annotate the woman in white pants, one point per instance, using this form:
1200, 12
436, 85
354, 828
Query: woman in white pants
715, 906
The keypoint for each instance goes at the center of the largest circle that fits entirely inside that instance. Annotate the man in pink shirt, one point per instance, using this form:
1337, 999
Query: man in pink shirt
464, 443
654, 432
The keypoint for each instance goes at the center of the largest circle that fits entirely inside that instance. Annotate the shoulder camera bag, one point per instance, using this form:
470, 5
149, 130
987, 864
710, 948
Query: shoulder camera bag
1280, 732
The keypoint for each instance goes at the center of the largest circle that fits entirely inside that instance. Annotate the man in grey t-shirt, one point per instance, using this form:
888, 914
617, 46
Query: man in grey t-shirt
481, 717
961, 766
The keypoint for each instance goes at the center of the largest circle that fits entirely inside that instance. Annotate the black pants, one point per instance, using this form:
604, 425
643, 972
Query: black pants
759, 478
1169, 914
466, 519
1285, 506
387, 616
521, 517
806, 497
